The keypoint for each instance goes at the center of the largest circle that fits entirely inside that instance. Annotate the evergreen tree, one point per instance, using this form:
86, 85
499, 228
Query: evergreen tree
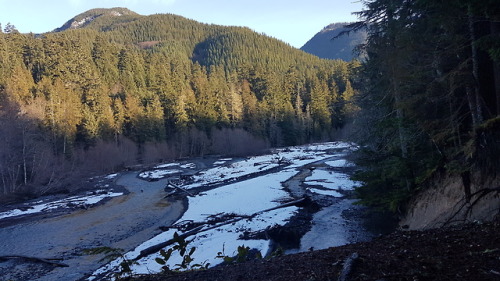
423, 99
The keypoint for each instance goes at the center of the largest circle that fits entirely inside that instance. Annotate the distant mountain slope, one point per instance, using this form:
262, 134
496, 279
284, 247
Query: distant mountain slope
88, 17
324, 46
111, 84
207, 44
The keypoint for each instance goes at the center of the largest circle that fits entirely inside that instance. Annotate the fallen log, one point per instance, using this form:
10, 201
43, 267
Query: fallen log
347, 268
52, 261
156, 248
291, 203
178, 188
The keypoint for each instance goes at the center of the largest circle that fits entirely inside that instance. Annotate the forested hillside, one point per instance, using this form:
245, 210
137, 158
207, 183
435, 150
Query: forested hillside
112, 88
327, 44
430, 106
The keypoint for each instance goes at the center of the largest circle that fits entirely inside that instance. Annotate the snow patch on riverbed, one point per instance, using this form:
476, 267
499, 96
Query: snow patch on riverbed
290, 157
233, 171
331, 180
222, 239
339, 163
70, 202
326, 192
157, 174
242, 198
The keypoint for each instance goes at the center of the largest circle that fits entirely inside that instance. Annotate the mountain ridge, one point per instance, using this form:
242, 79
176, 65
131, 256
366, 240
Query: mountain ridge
84, 19
165, 80
326, 45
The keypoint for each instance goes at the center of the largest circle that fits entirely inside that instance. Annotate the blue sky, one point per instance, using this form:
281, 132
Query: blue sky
292, 21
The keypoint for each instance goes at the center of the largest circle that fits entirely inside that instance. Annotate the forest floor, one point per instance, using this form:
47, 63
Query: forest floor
464, 252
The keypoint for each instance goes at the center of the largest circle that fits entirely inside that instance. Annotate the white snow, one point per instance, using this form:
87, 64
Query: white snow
163, 170
339, 163
158, 174
234, 170
242, 198
303, 155
326, 192
297, 156
70, 202
224, 238
111, 176
188, 166
167, 165
331, 180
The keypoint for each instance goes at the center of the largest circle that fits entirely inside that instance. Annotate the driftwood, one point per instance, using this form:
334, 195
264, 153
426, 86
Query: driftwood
156, 248
187, 225
347, 268
52, 261
176, 187
199, 229
291, 203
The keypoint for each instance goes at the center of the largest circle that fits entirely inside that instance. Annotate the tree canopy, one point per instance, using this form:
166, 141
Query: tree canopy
168, 84
430, 94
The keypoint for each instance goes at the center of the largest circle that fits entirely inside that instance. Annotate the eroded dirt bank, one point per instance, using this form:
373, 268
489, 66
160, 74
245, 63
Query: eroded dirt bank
452, 199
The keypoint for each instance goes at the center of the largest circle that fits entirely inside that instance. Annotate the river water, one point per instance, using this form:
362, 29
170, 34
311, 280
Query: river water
123, 222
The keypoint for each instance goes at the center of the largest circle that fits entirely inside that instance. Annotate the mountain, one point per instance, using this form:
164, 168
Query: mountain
207, 44
112, 84
325, 46
86, 18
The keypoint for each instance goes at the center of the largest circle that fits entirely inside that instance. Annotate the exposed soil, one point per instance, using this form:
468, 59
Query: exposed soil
466, 252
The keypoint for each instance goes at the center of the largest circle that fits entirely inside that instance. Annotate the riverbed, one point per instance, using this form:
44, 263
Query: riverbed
122, 223
133, 220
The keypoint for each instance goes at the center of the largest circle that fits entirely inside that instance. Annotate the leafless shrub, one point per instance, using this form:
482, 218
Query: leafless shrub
106, 157
236, 142
157, 152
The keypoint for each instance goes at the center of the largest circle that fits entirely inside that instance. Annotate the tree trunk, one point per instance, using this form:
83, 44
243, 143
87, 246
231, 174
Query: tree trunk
25, 169
5, 190
495, 30
472, 106
477, 110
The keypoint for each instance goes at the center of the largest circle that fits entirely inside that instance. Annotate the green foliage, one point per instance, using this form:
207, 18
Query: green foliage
242, 255
167, 79
181, 247
422, 90
109, 255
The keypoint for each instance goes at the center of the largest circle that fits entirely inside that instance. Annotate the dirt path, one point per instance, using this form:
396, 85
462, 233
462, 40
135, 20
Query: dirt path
124, 222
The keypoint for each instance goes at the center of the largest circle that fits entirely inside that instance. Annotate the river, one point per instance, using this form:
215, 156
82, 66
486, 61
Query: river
127, 221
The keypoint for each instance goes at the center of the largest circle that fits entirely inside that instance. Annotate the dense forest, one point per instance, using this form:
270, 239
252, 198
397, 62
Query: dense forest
429, 97
112, 88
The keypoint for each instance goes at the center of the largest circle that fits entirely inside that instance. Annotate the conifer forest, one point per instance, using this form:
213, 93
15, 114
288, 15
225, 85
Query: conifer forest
141, 89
